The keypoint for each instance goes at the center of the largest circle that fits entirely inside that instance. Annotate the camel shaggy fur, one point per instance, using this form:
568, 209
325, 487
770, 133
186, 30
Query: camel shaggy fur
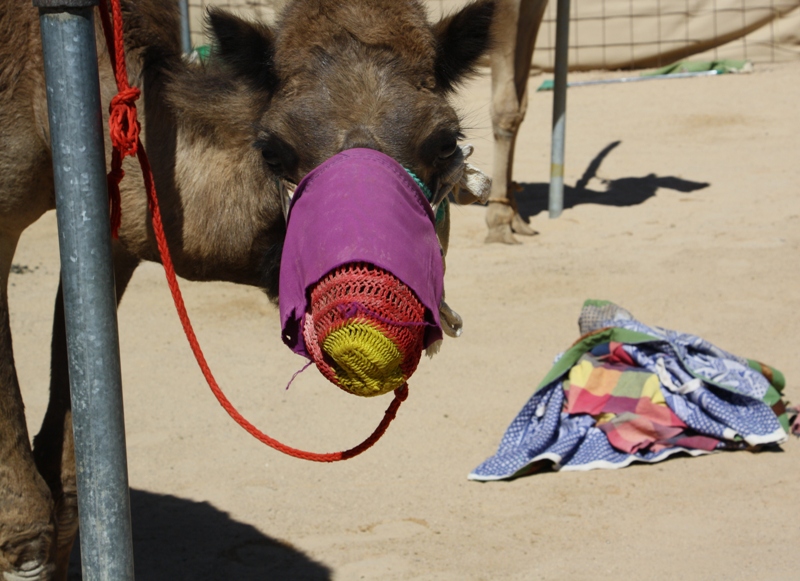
270, 105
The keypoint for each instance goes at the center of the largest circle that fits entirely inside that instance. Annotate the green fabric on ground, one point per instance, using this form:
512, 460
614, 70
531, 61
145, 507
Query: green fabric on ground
683, 68
722, 67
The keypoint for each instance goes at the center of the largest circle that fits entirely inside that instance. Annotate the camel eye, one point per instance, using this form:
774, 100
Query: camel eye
448, 148
272, 160
278, 155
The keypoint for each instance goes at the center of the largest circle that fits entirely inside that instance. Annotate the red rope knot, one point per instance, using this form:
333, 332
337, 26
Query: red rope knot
122, 123
123, 128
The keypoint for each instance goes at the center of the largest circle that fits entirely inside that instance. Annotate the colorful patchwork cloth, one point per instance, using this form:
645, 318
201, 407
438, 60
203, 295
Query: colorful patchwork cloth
626, 392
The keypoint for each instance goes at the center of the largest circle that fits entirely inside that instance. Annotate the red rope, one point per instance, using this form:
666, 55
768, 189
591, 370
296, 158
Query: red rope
123, 127
124, 130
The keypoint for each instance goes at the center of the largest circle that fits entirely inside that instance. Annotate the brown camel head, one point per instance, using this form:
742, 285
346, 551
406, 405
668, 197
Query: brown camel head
275, 102
336, 74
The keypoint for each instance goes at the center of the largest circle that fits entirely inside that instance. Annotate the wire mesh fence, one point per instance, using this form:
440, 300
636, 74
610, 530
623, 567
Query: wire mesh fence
616, 34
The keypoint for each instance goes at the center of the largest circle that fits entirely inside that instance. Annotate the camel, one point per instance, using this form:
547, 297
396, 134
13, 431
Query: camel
270, 105
516, 28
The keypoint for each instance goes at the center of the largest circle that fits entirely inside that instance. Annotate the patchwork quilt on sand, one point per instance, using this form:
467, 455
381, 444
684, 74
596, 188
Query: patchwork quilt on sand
626, 392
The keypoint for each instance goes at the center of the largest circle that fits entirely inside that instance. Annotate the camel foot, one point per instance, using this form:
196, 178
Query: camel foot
521, 227
31, 571
27, 556
501, 234
498, 218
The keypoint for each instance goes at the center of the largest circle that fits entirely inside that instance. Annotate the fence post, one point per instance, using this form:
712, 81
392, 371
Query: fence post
87, 277
556, 197
186, 33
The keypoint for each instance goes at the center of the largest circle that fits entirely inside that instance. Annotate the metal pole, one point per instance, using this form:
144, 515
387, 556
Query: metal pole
556, 197
186, 34
87, 276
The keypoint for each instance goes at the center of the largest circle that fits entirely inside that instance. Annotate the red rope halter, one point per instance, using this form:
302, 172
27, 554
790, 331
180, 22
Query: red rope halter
124, 130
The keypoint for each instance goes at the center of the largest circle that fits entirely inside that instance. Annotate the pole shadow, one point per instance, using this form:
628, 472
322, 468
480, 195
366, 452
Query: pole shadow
532, 197
175, 539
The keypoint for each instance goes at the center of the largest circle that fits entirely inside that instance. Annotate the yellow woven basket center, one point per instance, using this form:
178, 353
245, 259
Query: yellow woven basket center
367, 362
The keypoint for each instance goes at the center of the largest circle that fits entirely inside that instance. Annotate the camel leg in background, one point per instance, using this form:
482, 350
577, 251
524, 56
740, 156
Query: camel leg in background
53, 450
516, 30
27, 528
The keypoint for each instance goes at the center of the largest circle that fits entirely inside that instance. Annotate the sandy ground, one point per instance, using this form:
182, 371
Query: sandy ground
691, 221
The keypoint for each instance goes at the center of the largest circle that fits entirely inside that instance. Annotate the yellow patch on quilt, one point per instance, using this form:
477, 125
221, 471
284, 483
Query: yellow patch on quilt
652, 390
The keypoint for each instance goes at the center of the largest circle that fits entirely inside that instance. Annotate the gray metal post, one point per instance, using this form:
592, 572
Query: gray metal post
186, 34
87, 276
556, 197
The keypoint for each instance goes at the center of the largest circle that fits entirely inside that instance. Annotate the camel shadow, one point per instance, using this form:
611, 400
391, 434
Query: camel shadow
176, 539
533, 197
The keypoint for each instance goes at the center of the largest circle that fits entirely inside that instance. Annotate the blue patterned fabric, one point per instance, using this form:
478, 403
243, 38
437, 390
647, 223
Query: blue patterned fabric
716, 393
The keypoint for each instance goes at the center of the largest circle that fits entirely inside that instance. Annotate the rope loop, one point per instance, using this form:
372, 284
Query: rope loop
124, 130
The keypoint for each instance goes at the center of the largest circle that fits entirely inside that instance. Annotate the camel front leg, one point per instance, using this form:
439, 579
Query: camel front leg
27, 530
54, 451
516, 30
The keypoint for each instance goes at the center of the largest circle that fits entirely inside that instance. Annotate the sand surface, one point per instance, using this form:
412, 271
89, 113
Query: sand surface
691, 221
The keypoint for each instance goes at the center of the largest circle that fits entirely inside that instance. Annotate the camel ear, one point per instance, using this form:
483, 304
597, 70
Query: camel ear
461, 39
247, 48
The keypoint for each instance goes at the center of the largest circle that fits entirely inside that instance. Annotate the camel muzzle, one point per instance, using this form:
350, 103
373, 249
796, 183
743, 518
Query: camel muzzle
361, 278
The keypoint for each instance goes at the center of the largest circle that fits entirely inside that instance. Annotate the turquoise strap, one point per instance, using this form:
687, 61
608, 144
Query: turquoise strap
440, 211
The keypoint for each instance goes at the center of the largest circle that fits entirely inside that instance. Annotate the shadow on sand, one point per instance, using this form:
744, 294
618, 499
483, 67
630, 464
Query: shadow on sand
532, 199
175, 539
